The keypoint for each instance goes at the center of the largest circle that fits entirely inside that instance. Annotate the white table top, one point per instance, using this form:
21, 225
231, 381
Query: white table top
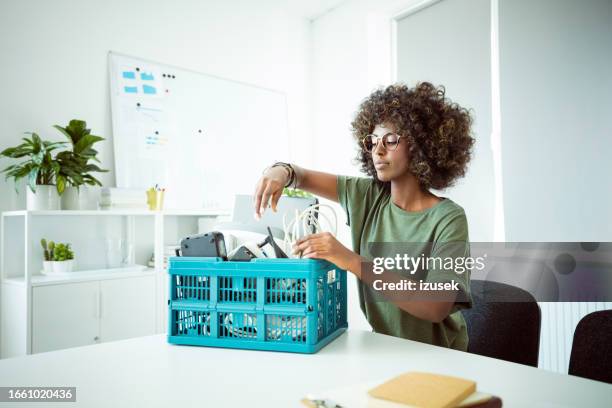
147, 371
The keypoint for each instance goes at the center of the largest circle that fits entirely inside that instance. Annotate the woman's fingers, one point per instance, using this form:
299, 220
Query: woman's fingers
257, 197
269, 189
318, 235
275, 197
299, 248
265, 197
303, 243
263, 193
308, 245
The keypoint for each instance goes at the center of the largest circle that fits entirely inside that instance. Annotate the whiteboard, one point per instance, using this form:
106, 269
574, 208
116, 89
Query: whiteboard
202, 138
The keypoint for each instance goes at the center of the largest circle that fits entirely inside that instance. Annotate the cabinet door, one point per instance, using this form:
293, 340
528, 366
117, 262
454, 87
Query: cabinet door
128, 308
64, 315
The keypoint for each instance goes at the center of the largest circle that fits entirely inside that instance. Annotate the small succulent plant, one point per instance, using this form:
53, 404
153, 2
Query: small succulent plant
56, 252
62, 252
48, 249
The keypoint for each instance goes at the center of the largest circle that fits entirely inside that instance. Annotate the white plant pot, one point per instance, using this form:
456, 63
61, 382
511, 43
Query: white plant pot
45, 198
73, 199
47, 267
63, 266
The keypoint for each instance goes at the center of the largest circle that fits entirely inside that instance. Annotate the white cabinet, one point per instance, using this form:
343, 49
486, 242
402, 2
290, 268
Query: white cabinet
98, 303
127, 308
64, 315
77, 314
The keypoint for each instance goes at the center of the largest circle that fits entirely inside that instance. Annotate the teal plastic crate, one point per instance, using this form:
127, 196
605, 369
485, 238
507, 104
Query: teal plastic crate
293, 305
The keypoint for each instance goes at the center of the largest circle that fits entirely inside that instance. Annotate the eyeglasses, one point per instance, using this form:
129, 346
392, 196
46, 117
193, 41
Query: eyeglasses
390, 141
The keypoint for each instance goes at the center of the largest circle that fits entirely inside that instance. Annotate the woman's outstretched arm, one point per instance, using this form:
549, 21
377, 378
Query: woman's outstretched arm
270, 186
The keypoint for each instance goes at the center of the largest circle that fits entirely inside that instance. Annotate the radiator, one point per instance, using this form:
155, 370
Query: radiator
559, 321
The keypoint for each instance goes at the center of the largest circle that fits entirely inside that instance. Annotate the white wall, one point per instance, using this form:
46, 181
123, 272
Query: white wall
54, 60
556, 100
448, 43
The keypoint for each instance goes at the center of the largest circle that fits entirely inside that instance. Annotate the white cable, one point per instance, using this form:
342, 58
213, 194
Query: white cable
308, 218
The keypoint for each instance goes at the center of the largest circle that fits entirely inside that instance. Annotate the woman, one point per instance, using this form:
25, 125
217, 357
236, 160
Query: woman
410, 141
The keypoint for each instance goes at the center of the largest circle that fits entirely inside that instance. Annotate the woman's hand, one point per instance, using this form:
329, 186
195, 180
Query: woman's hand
325, 246
270, 186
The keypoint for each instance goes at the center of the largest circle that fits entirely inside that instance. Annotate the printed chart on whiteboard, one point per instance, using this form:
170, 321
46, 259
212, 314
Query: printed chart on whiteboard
202, 138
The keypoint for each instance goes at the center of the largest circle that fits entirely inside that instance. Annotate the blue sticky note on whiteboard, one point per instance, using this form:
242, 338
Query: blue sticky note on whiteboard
146, 77
130, 89
129, 75
149, 90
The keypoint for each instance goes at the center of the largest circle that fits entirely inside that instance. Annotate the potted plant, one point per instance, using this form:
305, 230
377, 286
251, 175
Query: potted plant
76, 165
47, 254
40, 169
59, 258
294, 192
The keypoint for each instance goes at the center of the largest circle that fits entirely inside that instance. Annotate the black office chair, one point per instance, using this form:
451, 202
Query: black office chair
592, 347
503, 323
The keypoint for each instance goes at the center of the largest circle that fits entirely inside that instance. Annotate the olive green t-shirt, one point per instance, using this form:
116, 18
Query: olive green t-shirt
374, 218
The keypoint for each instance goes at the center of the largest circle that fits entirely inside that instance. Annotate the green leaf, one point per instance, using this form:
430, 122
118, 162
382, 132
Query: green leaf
88, 153
26, 140
61, 184
86, 142
70, 172
17, 152
36, 139
8, 169
23, 169
8, 152
92, 181
38, 157
32, 178
53, 145
77, 180
78, 127
93, 167
65, 132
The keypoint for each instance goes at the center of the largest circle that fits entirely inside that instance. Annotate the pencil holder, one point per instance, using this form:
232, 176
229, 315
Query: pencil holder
155, 199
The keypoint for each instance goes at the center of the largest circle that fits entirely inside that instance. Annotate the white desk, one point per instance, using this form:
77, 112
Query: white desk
148, 372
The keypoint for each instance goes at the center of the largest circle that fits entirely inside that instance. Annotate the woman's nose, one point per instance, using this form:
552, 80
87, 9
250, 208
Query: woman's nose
379, 149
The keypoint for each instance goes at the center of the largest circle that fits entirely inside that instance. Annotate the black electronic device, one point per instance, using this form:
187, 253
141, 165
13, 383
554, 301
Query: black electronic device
250, 250
277, 250
242, 254
210, 244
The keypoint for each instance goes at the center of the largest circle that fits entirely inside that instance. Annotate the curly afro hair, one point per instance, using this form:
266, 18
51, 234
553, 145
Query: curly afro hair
437, 130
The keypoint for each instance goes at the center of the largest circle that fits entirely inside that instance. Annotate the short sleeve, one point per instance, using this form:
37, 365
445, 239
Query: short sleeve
341, 187
452, 247
356, 195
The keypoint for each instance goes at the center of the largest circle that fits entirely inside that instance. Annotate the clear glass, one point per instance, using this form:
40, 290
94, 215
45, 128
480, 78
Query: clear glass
119, 253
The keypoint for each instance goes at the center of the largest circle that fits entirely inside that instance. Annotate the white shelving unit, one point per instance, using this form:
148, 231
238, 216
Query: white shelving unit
42, 313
